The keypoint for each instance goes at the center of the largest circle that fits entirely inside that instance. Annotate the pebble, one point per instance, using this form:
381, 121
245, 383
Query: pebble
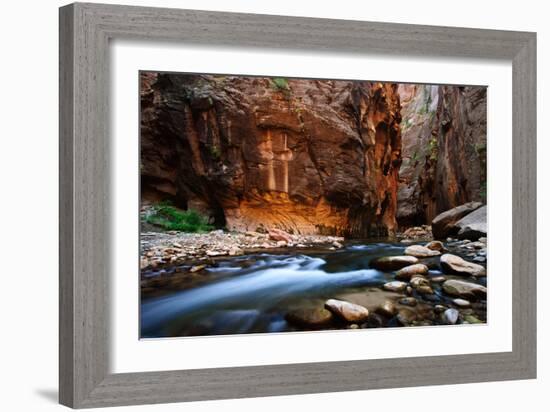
410, 301
197, 268
463, 303
450, 316
395, 286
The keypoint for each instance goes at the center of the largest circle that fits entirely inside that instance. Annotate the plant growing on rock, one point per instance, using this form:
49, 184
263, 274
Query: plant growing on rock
169, 217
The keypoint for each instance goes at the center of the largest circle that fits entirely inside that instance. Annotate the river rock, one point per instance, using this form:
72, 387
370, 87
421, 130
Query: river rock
474, 225
235, 251
456, 265
438, 279
279, 235
408, 271
348, 311
443, 225
462, 303
409, 301
197, 268
425, 290
440, 308
419, 281
450, 316
387, 309
310, 317
337, 244
390, 263
406, 317
395, 286
466, 290
420, 251
435, 245
281, 243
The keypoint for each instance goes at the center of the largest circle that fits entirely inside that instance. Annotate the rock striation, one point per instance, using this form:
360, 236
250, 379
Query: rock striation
304, 156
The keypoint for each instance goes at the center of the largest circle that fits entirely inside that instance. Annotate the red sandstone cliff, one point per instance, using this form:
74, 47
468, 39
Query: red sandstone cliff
306, 156
444, 135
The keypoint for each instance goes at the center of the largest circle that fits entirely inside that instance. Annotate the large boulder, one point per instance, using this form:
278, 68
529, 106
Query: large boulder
466, 290
389, 263
474, 225
350, 312
458, 266
444, 224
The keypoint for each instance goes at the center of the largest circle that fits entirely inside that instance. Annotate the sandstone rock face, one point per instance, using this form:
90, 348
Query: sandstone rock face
444, 137
303, 156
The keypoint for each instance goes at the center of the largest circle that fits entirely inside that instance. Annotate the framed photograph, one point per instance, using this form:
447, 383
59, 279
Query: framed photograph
256, 205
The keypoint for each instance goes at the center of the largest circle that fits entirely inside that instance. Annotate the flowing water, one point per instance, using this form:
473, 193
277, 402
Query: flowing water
252, 293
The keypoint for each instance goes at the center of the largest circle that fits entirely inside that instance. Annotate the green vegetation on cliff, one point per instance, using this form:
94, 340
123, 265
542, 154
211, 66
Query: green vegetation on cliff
169, 217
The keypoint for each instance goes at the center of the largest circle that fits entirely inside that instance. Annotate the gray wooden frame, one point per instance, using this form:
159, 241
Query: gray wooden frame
85, 31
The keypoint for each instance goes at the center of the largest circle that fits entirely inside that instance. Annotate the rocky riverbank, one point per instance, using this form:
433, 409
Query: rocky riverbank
161, 249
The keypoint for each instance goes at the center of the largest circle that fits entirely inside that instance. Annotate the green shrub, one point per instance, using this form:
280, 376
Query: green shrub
280, 83
169, 217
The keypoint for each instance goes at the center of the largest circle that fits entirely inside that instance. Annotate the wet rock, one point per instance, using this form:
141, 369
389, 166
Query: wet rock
419, 281
480, 259
474, 225
443, 225
213, 253
465, 290
418, 232
281, 243
440, 308
197, 268
395, 286
390, 263
337, 245
406, 317
450, 316
310, 317
375, 321
435, 245
410, 301
387, 309
348, 311
420, 251
461, 303
425, 290
438, 279
456, 265
408, 271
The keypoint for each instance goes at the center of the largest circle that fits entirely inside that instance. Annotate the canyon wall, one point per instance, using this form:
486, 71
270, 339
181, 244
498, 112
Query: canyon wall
444, 134
305, 156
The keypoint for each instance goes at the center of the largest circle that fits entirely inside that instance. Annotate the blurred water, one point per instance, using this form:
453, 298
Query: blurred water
253, 293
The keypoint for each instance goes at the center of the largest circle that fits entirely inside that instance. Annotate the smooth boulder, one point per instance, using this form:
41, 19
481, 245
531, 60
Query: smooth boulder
390, 263
456, 265
310, 317
350, 312
465, 290
474, 225
395, 286
420, 251
444, 224
387, 309
435, 245
409, 271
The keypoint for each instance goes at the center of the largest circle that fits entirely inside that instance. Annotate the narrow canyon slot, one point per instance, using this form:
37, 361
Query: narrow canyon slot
273, 204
